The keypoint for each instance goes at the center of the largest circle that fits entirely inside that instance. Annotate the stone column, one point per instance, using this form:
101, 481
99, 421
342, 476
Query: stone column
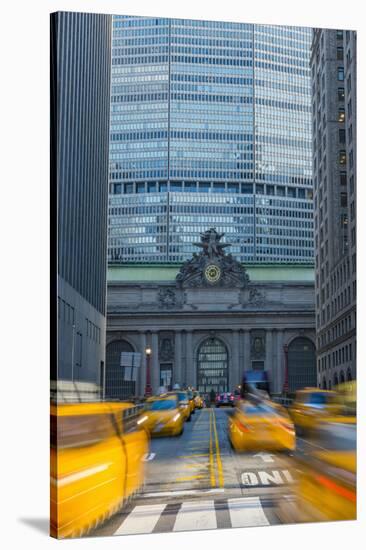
234, 372
280, 363
190, 378
268, 364
177, 370
155, 367
141, 380
247, 363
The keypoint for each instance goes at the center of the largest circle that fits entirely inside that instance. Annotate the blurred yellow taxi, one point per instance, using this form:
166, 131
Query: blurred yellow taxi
191, 401
183, 402
346, 398
261, 425
311, 406
163, 416
96, 463
198, 400
326, 480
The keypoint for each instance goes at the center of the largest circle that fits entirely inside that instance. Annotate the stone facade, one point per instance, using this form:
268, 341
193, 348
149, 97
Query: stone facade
254, 320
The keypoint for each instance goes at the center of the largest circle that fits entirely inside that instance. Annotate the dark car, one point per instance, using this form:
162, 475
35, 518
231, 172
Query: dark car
225, 398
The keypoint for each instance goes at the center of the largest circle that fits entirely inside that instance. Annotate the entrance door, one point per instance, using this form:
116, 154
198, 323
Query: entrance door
212, 366
166, 373
301, 364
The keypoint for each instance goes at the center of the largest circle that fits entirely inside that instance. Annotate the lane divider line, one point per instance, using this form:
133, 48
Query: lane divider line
212, 467
218, 456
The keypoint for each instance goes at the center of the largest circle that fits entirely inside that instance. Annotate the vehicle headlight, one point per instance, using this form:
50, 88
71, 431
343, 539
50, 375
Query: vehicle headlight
141, 420
175, 418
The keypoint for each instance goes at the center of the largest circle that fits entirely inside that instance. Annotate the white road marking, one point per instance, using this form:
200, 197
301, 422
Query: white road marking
148, 456
246, 512
265, 457
274, 477
194, 516
183, 492
142, 519
249, 478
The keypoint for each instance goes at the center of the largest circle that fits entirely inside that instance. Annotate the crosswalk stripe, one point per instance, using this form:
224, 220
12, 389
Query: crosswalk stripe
142, 519
194, 516
246, 512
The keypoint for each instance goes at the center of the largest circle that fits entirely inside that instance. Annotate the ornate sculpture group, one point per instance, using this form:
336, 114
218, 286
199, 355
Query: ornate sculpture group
192, 272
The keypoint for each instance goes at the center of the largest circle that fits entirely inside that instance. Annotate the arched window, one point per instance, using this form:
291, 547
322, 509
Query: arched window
212, 366
349, 375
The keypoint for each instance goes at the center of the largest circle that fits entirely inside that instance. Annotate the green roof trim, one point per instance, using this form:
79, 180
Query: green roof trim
139, 273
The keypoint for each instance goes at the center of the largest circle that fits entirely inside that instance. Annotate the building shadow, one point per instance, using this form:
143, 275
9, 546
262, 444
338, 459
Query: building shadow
39, 524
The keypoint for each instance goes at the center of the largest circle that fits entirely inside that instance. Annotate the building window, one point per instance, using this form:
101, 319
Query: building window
340, 73
340, 53
117, 188
339, 35
343, 178
340, 94
342, 157
343, 197
140, 187
341, 114
247, 188
342, 135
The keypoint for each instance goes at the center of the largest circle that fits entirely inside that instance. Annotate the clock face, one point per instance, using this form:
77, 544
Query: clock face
212, 273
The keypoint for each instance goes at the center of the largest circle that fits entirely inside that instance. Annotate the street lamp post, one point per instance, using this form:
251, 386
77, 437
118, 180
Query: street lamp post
285, 384
148, 389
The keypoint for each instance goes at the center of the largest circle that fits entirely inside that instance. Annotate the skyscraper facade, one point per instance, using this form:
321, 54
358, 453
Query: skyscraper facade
333, 66
210, 126
80, 105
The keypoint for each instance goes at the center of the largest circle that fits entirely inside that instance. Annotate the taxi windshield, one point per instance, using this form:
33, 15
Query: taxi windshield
319, 399
162, 405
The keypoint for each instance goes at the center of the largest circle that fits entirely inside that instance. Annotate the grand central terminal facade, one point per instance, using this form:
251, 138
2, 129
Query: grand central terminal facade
205, 322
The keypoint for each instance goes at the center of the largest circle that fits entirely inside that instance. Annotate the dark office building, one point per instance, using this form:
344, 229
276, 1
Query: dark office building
80, 97
333, 66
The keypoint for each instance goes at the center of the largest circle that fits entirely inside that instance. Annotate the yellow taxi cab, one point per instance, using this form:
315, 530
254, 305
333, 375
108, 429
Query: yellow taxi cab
183, 403
96, 463
198, 400
163, 416
191, 401
326, 486
311, 406
261, 425
326, 478
346, 398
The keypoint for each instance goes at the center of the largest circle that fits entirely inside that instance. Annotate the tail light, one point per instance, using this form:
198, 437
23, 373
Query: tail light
232, 397
242, 427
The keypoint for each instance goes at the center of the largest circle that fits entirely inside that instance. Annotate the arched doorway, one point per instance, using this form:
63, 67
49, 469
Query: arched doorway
336, 379
349, 375
301, 364
342, 377
212, 366
116, 387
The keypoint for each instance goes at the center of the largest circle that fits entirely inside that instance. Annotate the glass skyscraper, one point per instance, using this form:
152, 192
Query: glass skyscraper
210, 127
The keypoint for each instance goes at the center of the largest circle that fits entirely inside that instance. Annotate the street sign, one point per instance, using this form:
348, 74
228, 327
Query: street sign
130, 362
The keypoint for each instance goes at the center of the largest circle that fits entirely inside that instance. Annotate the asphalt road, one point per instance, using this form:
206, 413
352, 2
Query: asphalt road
196, 481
